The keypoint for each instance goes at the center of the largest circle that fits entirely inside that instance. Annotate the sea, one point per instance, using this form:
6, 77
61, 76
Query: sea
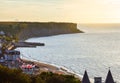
97, 50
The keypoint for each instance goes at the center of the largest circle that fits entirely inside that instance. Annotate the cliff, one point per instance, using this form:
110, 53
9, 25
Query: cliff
25, 30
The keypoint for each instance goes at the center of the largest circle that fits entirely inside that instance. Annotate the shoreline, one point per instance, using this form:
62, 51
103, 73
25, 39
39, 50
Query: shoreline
46, 67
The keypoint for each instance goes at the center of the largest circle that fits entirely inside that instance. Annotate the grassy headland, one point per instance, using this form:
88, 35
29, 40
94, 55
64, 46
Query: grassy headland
25, 30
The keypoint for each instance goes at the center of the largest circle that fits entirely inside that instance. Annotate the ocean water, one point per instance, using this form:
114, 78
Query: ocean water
94, 52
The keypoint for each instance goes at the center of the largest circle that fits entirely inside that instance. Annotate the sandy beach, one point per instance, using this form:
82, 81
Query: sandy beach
43, 67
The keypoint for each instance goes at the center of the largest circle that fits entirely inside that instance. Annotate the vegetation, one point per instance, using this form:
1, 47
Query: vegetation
13, 76
16, 76
16, 29
25, 30
7, 41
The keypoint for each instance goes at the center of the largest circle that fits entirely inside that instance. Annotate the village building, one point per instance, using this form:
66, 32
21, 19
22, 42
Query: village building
109, 78
12, 55
2, 33
85, 78
10, 58
2, 60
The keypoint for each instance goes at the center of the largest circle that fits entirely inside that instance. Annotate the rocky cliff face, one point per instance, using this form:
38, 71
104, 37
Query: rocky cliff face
25, 30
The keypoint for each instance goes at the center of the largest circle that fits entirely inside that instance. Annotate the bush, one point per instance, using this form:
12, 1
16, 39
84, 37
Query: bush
16, 76
13, 76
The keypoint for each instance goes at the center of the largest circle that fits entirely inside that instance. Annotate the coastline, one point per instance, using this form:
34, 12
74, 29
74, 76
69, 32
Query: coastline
26, 30
46, 67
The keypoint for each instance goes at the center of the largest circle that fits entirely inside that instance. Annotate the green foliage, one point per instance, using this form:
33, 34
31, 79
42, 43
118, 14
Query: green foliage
37, 79
12, 28
25, 30
16, 76
13, 76
49, 77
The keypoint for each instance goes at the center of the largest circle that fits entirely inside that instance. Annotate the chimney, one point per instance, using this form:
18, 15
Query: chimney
98, 80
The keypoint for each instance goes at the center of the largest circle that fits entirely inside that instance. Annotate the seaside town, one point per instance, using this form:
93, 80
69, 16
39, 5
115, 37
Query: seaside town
10, 57
59, 41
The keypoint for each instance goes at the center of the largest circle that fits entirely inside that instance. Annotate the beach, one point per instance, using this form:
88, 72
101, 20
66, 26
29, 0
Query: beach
43, 67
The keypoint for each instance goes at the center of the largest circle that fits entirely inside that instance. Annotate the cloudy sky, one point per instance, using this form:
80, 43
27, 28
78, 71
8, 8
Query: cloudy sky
80, 11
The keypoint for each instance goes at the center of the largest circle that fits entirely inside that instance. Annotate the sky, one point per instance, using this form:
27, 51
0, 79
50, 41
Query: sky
78, 11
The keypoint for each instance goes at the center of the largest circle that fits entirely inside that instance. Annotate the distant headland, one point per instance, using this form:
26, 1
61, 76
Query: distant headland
25, 30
